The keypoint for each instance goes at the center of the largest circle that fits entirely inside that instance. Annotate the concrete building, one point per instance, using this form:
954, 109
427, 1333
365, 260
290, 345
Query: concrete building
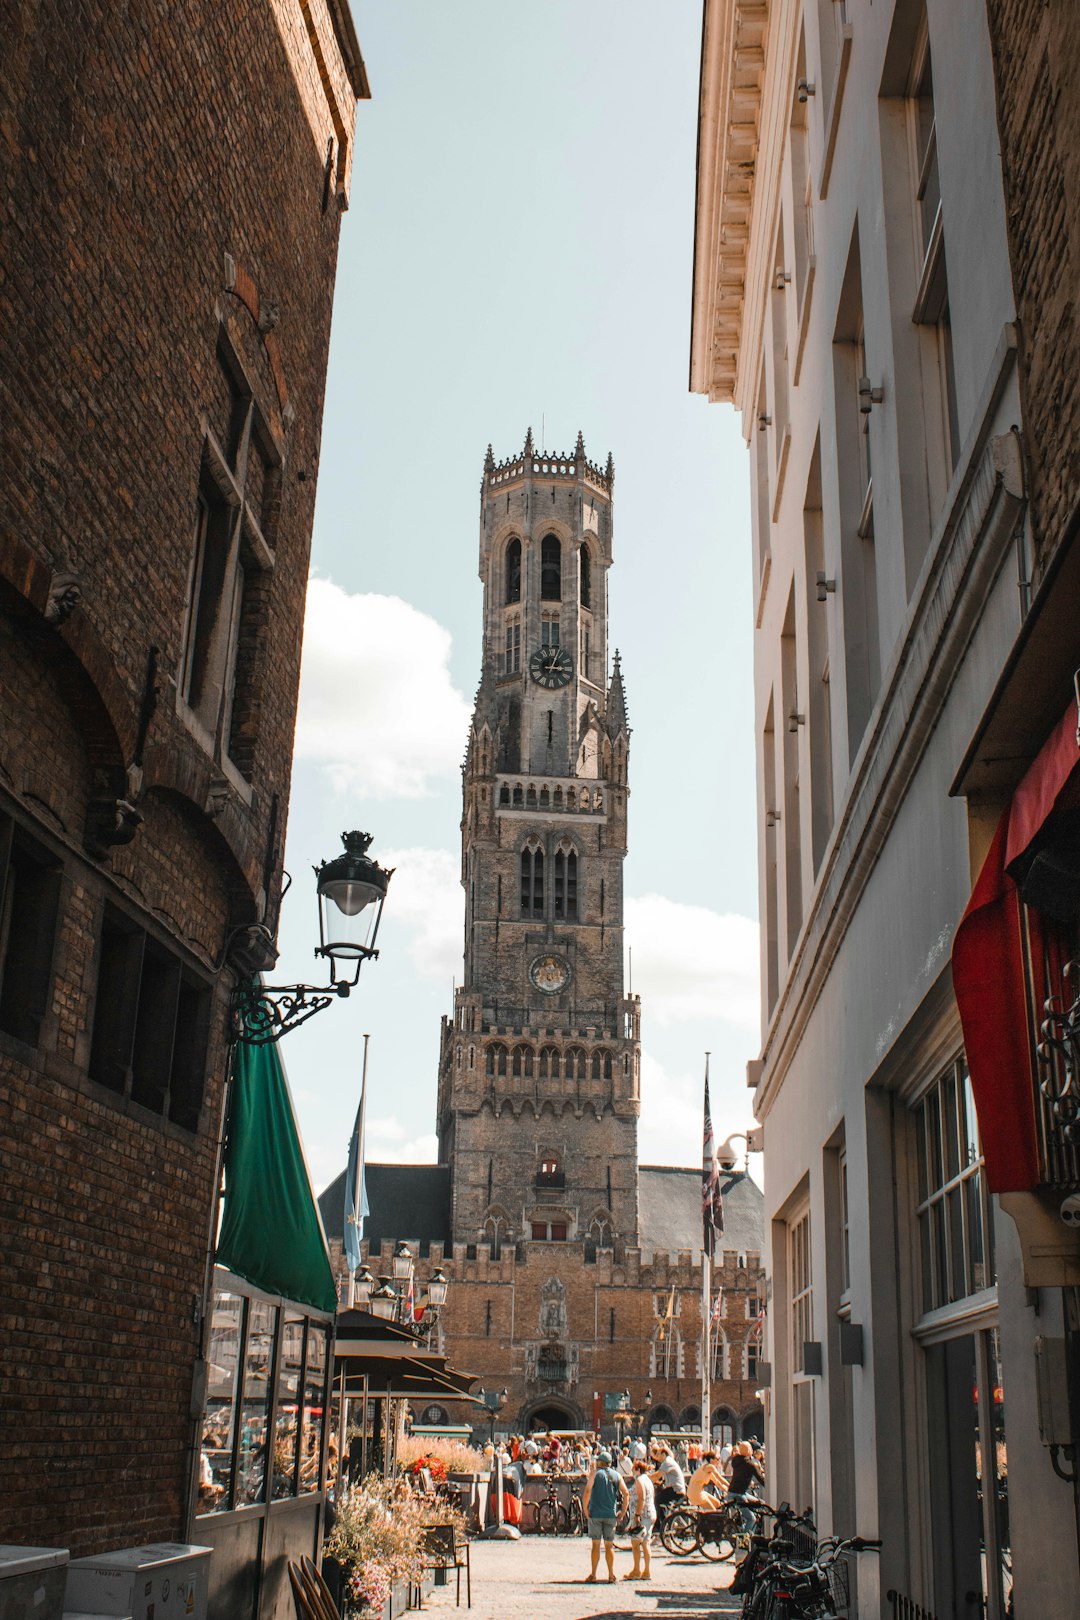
577, 1272
860, 263
165, 304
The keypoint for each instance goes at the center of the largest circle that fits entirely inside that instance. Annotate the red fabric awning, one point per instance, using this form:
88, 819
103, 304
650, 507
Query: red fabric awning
988, 971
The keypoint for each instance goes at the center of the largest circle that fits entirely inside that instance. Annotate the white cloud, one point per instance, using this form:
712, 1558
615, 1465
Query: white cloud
425, 897
670, 1126
386, 1141
691, 962
378, 709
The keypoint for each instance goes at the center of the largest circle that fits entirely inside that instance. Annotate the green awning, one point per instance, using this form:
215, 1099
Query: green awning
271, 1233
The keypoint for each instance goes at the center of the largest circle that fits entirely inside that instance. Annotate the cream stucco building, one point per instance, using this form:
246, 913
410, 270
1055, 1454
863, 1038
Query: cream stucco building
853, 299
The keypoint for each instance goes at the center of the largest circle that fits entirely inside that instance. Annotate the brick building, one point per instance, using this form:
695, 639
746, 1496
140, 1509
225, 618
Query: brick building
577, 1272
173, 179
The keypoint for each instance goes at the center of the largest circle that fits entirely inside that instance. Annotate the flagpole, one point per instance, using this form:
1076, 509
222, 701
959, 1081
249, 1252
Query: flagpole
706, 1312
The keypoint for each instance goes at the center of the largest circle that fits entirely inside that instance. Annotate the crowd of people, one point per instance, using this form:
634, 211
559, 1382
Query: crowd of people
643, 1478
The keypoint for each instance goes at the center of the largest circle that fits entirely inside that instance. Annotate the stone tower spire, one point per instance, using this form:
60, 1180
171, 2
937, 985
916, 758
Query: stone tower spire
540, 1062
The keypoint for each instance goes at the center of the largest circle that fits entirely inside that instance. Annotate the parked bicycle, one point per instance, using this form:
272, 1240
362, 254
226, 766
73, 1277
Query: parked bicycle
783, 1583
556, 1518
715, 1532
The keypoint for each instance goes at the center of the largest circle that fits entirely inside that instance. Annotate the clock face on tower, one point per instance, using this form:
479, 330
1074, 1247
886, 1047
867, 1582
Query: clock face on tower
550, 974
551, 666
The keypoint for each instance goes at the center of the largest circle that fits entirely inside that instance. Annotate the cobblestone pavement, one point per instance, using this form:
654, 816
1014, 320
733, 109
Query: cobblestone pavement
543, 1578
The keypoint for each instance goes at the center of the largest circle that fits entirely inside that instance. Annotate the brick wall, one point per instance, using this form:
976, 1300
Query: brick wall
1037, 62
165, 192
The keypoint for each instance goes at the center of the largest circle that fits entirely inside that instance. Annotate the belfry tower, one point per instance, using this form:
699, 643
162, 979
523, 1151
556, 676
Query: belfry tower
539, 1067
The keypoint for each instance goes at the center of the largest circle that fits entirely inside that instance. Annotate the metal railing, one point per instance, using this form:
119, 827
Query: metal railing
905, 1608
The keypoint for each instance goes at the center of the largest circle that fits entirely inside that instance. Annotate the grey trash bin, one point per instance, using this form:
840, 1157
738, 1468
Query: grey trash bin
32, 1582
168, 1580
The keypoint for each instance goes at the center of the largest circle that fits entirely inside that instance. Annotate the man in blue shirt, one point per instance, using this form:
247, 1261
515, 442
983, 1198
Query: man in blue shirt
605, 1497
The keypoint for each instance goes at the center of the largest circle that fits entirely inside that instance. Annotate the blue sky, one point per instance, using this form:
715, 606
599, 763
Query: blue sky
518, 252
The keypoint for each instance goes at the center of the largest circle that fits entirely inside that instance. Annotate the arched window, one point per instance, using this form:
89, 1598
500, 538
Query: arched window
601, 1064
504, 794
586, 577
523, 1063
549, 1063
574, 1064
719, 1358
496, 1060
723, 1426
513, 571
550, 569
532, 882
666, 1353
566, 885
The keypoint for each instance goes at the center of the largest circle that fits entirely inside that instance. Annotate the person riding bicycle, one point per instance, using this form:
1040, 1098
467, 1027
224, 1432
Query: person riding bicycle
668, 1477
745, 1478
707, 1485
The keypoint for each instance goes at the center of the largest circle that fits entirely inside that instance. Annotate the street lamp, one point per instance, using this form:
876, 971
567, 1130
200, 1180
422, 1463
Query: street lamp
634, 1415
383, 1301
363, 1285
494, 1400
351, 891
403, 1264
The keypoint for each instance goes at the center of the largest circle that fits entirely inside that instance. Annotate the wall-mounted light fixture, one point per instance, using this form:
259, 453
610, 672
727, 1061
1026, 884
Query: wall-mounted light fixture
869, 396
771, 817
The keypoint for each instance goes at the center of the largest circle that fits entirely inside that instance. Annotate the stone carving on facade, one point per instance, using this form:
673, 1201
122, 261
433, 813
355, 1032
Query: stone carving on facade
553, 1308
65, 594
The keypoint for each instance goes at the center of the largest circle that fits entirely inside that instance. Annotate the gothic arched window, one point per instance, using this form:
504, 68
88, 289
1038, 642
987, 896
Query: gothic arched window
550, 569
513, 571
574, 1064
496, 1060
532, 882
549, 1063
586, 577
566, 885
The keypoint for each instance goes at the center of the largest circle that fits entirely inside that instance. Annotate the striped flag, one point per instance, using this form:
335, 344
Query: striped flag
712, 1204
356, 1199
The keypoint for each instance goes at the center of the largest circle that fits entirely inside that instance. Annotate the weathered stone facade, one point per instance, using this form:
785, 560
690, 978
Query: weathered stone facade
165, 302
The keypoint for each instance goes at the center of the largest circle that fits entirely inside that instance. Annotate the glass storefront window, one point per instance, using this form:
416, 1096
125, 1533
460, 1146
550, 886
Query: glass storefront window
219, 1419
255, 1406
287, 1415
313, 1407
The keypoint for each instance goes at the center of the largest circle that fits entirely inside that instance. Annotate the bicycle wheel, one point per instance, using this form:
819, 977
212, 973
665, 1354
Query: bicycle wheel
547, 1518
576, 1514
680, 1532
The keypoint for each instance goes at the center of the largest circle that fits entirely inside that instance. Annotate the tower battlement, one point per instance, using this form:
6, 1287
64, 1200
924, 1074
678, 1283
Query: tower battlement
533, 463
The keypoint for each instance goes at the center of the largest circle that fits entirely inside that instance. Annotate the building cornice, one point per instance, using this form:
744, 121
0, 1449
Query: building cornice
729, 114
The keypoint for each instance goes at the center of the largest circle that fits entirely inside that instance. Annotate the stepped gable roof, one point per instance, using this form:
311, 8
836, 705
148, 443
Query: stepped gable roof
669, 1211
410, 1201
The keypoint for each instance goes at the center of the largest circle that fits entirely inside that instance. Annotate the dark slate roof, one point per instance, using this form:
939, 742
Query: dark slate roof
669, 1211
410, 1201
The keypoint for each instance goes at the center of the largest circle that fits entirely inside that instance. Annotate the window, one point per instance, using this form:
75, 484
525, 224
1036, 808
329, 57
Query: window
550, 569
566, 906
532, 881
29, 894
845, 1226
550, 1173
667, 1353
585, 576
854, 416
236, 511
819, 718
932, 297
800, 1289
151, 1023
513, 571
512, 651
549, 632
801, 186
548, 1231
953, 1213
